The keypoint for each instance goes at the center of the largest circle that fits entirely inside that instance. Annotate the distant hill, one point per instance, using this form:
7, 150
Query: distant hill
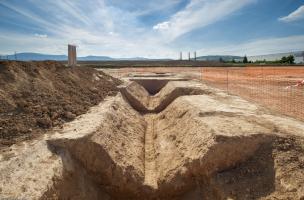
270, 57
273, 57
40, 57
218, 57
34, 56
135, 58
94, 58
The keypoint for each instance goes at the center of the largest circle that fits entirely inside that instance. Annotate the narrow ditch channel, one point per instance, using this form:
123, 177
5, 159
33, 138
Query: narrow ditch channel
166, 153
141, 95
150, 163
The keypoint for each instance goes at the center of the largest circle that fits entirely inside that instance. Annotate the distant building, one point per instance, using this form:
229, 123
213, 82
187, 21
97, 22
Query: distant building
72, 55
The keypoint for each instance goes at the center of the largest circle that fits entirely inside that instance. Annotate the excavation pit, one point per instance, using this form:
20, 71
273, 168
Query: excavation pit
142, 101
187, 141
153, 83
137, 155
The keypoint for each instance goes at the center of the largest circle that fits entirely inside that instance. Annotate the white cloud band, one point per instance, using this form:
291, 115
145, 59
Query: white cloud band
198, 14
294, 16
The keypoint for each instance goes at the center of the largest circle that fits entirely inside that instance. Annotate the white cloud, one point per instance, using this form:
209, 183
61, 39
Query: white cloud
197, 14
96, 27
29, 15
41, 35
102, 29
162, 26
140, 7
294, 16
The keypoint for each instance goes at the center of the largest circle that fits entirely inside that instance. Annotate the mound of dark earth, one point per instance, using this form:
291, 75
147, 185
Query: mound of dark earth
35, 96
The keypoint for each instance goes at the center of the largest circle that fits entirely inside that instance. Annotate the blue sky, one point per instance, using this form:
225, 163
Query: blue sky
152, 28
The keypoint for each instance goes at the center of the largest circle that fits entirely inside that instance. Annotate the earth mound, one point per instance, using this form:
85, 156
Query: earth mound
36, 96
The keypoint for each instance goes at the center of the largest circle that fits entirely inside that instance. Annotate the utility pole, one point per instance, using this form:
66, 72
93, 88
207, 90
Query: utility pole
181, 56
303, 55
189, 57
15, 55
195, 55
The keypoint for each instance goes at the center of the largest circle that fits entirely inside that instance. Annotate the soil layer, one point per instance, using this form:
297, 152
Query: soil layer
36, 96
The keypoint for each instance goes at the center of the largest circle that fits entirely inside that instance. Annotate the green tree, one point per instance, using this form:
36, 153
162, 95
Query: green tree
283, 59
245, 60
290, 59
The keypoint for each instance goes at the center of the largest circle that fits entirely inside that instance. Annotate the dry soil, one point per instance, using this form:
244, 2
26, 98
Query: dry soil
199, 144
36, 96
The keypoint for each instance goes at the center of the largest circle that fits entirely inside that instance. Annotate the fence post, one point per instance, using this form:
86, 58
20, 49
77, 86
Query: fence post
227, 84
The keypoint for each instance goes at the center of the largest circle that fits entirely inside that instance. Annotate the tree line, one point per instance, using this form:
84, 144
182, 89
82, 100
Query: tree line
284, 60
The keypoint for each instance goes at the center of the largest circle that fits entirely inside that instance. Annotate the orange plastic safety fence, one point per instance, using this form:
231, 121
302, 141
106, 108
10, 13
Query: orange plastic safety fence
277, 88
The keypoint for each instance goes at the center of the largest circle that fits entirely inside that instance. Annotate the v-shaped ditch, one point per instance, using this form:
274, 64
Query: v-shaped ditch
142, 96
144, 148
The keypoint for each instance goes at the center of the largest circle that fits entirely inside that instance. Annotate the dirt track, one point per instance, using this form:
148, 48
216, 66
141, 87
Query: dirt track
189, 141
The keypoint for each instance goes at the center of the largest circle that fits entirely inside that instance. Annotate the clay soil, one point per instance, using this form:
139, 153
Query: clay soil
264, 85
36, 96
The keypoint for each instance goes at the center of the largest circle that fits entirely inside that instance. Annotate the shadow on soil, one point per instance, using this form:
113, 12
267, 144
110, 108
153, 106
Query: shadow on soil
252, 179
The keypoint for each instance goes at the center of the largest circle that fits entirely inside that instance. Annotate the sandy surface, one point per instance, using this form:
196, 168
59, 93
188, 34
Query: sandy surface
28, 169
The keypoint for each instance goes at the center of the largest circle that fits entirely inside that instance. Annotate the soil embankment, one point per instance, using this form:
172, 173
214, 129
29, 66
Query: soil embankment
36, 96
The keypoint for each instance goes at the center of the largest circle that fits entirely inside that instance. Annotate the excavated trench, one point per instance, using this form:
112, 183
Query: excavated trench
164, 140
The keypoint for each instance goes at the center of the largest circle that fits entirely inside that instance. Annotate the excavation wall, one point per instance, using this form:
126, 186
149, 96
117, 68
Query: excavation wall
186, 142
195, 140
140, 99
113, 155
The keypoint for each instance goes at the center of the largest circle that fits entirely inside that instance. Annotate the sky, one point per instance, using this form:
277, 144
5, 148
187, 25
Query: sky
152, 28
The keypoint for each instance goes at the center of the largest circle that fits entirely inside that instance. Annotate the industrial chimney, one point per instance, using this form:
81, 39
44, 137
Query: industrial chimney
72, 55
